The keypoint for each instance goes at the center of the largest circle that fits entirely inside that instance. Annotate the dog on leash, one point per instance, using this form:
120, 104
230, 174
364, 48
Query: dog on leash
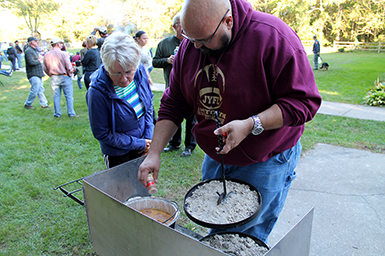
325, 66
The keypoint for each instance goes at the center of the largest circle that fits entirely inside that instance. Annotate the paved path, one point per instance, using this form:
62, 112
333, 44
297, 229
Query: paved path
346, 187
353, 111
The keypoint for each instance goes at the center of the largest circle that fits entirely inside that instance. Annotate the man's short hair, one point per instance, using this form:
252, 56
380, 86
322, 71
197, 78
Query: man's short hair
121, 48
30, 39
176, 18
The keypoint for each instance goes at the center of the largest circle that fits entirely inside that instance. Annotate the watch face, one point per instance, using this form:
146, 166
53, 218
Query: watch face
258, 129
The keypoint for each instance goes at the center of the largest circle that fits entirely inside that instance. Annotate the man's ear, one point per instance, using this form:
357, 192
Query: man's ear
229, 22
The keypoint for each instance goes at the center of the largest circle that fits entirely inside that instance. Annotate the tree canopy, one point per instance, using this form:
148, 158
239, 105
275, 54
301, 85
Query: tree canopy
34, 12
73, 20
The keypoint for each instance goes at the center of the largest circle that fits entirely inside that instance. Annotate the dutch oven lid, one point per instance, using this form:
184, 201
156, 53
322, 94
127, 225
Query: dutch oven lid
204, 223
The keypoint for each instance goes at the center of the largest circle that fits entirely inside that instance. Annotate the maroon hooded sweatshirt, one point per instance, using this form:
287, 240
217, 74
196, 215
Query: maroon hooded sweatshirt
264, 64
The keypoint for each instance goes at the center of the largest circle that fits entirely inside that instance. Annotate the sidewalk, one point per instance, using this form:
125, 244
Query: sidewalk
346, 188
353, 111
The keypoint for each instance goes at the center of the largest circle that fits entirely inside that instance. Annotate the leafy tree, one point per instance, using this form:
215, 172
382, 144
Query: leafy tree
32, 11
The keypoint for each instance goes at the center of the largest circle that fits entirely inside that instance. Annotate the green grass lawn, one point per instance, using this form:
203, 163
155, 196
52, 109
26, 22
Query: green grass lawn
350, 75
39, 152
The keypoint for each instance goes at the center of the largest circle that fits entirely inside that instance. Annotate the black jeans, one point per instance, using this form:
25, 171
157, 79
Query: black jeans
87, 80
189, 140
112, 161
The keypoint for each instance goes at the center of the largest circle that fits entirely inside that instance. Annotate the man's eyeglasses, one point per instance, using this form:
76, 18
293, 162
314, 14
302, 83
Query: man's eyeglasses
207, 41
119, 75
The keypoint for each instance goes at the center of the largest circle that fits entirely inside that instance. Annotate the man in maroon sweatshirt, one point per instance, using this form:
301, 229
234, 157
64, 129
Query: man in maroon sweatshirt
251, 68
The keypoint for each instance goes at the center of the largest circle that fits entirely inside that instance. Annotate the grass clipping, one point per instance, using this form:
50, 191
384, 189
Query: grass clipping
239, 205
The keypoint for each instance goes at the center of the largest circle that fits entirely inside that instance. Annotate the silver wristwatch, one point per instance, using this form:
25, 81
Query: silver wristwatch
258, 128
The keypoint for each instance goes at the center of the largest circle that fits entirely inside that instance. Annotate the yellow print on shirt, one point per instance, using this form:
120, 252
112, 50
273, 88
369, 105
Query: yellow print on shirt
210, 97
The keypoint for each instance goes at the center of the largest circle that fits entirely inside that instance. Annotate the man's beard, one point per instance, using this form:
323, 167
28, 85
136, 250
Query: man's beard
225, 40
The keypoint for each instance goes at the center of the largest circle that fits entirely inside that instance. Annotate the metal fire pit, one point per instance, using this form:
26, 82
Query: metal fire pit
116, 229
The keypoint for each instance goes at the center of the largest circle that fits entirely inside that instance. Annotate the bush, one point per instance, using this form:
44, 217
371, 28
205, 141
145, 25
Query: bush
341, 49
376, 94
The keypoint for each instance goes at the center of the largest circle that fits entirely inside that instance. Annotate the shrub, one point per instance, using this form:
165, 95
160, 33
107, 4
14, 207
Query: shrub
376, 94
341, 49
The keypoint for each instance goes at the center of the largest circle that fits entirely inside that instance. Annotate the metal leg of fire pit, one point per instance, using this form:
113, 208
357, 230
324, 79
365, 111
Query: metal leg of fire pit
297, 241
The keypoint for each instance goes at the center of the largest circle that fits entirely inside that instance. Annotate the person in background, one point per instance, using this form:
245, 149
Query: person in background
35, 73
103, 32
91, 60
19, 52
251, 70
316, 52
78, 68
164, 58
1, 57
120, 102
141, 38
84, 50
4, 48
12, 56
5, 72
57, 65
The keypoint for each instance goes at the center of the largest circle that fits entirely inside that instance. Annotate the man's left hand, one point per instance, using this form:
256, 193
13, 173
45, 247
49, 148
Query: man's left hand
237, 131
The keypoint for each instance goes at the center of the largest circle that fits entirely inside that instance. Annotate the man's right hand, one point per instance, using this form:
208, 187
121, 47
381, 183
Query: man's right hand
170, 59
150, 165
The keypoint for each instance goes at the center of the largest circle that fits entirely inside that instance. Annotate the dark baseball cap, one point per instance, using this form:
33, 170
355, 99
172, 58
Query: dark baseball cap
30, 39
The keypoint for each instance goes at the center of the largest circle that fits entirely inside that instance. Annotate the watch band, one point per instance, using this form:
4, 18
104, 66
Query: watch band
258, 128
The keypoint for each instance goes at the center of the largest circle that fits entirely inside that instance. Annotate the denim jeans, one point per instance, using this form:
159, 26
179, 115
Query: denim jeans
37, 88
315, 60
19, 58
271, 178
64, 83
5, 55
79, 80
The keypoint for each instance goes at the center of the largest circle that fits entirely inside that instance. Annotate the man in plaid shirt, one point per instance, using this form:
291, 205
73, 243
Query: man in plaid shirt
35, 73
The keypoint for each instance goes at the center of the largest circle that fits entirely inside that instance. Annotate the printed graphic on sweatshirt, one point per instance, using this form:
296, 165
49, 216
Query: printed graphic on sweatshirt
211, 96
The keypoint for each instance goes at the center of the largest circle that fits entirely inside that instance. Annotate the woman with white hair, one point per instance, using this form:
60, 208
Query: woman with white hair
120, 102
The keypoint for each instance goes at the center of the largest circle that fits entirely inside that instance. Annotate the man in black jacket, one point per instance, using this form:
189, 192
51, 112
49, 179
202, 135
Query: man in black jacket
164, 57
19, 52
35, 73
12, 56
316, 51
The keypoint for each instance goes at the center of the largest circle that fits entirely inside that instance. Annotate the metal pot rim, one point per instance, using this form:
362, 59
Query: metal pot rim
222, 226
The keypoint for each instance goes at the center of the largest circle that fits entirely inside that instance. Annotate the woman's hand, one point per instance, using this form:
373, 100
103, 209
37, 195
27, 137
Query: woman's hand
146, 148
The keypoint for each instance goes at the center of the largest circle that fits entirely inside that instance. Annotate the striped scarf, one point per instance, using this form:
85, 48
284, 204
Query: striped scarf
130, 94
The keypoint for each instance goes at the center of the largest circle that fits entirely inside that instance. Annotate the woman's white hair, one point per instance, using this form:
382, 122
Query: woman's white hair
121, 48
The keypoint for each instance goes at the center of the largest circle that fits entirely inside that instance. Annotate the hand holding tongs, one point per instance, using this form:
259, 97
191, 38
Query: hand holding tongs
224, 195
